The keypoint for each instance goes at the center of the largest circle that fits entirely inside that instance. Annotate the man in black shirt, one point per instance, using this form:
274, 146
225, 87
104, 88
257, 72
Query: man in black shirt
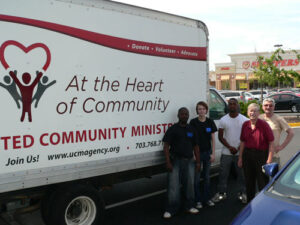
181, 147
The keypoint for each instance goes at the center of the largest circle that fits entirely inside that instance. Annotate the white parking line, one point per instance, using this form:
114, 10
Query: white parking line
135, 199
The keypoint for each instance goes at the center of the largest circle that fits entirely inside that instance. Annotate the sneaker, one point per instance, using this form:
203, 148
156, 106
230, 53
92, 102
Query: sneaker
242, 197
219, 197
167, 215
193, 211
210, 203
199, 205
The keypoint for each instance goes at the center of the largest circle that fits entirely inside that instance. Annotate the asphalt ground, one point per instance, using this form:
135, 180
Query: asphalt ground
149, 211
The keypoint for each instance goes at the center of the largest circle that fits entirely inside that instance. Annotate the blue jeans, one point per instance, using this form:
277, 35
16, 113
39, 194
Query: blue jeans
205, 162
182, 174
225, 166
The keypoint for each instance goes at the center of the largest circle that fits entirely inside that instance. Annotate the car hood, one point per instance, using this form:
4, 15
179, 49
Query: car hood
268, 211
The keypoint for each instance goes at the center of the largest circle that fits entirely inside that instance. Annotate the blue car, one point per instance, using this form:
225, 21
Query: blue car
279, 202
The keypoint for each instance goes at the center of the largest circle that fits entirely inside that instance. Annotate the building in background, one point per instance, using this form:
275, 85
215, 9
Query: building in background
238, 74
212, 78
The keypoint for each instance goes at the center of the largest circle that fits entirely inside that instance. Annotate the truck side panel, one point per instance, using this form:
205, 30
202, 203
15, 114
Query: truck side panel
104, 85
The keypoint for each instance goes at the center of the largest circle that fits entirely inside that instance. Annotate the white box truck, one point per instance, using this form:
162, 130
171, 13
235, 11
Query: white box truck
88, 88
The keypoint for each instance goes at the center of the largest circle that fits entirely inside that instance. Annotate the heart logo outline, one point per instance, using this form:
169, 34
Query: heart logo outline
26, 50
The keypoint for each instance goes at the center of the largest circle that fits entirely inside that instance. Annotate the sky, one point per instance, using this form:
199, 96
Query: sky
238, 26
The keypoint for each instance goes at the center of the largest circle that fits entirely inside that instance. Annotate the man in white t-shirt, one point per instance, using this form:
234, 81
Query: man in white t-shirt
229, 133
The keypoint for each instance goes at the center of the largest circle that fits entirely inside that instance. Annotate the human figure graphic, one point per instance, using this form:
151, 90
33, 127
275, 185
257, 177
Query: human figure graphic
11, 87
41, 88
26, 91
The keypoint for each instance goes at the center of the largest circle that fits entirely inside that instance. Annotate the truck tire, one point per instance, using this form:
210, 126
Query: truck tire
80, 205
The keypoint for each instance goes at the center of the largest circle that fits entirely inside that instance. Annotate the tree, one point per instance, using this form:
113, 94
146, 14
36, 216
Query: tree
268, 70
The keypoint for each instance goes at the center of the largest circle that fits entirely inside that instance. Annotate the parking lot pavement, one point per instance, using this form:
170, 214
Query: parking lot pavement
33, 218
149, 211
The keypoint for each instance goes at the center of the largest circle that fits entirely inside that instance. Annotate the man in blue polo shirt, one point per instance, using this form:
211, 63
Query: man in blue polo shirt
181, 148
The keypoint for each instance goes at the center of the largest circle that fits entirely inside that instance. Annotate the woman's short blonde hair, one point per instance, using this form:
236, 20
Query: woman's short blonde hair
253, 105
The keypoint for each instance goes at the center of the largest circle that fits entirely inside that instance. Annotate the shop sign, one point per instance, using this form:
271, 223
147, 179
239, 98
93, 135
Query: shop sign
284, 62
243, 85
246, 64
240, 77
225, 68
225, 77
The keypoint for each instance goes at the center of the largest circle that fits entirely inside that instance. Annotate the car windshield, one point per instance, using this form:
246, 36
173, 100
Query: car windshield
288, 184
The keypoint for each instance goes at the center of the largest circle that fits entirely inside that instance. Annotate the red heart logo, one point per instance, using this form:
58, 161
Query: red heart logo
26, 50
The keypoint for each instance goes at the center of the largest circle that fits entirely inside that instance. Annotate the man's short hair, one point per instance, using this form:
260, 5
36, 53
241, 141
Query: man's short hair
182, 108
233, 99
269, 100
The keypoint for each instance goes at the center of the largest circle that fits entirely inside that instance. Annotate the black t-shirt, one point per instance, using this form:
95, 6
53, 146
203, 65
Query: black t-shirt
204, 131
181, 140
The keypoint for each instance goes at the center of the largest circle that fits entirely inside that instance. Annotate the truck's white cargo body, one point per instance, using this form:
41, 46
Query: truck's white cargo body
113, 78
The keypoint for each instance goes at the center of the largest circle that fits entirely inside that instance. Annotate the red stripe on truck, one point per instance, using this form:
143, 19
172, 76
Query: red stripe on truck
139, 47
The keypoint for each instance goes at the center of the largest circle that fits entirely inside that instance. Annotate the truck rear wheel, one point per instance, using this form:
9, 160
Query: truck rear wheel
81, 205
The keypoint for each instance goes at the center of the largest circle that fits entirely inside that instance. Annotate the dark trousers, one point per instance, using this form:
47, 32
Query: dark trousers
225, 166
253, 160
205, 161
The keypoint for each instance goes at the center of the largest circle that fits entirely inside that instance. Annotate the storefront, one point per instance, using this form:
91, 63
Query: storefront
239, 73
225, 76
241, 82
212, 78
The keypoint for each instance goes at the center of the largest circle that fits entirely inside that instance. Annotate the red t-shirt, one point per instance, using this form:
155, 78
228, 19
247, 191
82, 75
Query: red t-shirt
259, 138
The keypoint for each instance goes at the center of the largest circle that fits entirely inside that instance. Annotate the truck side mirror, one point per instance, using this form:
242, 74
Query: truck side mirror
270, 169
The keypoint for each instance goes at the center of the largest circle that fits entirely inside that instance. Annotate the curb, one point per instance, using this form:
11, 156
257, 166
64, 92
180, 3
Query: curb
294, 124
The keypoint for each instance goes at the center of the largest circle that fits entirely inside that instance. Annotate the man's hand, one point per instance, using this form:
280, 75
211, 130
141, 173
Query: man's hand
198, 167
169, 167
269, 161
278, 148
212, 157
240, 163
233, 150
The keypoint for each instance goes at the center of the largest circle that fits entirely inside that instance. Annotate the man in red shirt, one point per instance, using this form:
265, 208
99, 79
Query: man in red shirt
256, 149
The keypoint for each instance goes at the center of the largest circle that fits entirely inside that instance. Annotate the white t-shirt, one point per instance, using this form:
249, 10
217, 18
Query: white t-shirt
232, 131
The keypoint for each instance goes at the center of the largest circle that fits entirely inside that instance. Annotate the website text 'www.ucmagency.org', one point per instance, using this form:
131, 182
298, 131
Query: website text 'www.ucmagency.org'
84, 153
